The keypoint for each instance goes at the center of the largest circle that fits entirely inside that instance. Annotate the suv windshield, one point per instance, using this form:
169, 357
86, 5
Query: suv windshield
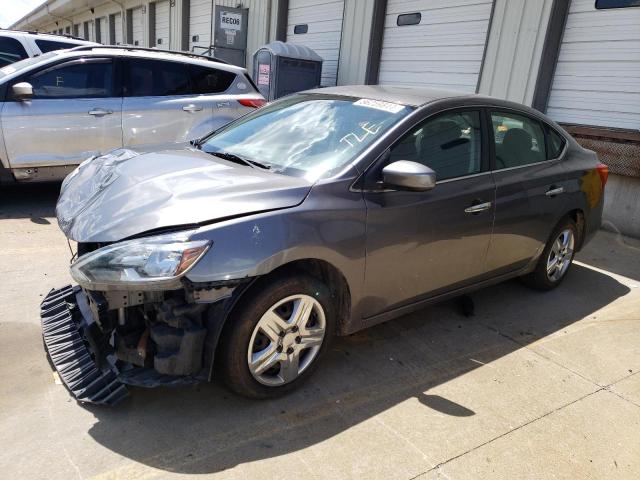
307, 135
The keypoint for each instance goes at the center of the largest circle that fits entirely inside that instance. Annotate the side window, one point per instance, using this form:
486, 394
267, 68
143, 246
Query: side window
210, 80
555, 143
11, 50
519, 140
49, 45
450, 144
78, 79
154, 78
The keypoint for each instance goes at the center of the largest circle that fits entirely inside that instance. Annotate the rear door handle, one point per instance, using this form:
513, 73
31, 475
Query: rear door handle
480, 207
554, 191
100, 112
191, 108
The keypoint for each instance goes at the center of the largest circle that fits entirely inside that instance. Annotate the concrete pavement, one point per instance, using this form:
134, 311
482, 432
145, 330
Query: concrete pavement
535, 385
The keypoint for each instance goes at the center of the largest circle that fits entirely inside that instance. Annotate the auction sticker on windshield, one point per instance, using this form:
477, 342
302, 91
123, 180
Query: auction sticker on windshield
379, 105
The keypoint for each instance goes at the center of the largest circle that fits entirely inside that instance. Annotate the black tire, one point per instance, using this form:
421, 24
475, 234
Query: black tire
231, 357
539, 278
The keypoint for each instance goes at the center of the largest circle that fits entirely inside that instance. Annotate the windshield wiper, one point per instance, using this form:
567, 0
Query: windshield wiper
232, 157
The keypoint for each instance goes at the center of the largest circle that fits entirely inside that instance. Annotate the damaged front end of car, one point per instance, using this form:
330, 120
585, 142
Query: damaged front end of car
141, 313
134, 319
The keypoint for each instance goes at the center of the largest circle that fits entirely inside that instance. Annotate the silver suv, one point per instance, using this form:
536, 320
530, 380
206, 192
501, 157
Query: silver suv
16, 45
66, 106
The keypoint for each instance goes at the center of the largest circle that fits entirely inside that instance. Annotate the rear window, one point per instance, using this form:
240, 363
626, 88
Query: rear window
555, 144
152, 78
210, 80
46, 46
11, 50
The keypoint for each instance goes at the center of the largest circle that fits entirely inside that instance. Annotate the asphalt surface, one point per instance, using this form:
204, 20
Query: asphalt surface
534, 385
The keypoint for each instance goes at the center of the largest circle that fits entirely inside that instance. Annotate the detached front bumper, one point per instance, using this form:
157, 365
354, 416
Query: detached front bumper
66, 328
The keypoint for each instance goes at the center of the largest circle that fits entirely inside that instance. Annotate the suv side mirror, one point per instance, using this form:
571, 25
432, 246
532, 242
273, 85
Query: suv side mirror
22, 91
408, 175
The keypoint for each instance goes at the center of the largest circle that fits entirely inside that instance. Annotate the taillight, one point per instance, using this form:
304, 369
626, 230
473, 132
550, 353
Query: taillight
252, 102
603, 171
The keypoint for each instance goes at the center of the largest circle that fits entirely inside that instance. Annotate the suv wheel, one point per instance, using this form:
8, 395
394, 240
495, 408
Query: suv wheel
556, 258
275, 338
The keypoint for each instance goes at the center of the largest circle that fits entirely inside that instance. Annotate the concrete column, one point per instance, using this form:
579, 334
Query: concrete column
621, 200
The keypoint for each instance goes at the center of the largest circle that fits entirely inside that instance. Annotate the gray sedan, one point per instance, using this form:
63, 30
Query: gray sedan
318, 215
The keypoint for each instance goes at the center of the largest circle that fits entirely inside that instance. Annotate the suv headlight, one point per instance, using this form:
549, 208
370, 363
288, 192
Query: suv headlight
145, 262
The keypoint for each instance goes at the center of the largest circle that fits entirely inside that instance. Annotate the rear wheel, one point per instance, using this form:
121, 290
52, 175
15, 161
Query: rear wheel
556, 258
276, 336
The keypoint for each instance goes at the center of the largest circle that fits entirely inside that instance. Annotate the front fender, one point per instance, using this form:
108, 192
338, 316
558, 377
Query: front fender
329, 225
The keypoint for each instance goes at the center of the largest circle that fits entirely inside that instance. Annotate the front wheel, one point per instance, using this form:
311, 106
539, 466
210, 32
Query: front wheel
276, 336
556, 258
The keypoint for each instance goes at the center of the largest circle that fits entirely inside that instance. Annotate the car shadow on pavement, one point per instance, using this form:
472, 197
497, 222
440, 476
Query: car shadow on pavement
205, 429
35, 201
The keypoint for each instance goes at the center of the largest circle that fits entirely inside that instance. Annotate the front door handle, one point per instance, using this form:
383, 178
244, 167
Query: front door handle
552, 192
480, 207
100, 112
192, 108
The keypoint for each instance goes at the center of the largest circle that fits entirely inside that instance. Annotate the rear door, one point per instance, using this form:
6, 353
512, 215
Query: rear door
530, 185
168, 102
75, 112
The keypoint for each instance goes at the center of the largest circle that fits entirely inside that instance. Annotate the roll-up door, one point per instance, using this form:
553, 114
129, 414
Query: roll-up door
597, 77
317, 24
200, 17
162, 24
101, 30
137, 29
434, 43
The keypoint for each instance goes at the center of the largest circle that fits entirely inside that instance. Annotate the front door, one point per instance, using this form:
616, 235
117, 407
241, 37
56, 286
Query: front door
75, 112
420, 244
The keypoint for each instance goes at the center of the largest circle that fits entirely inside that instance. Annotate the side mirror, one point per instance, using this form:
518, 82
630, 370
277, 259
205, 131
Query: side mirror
22, 91
408, 175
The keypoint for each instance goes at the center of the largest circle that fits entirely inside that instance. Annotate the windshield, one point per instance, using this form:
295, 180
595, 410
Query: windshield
26, 63
307, 135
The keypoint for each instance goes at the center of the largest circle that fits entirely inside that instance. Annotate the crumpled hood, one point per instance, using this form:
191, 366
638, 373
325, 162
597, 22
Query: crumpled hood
124, 193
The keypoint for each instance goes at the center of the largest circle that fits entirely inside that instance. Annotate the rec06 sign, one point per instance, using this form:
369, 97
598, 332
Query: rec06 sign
230, 21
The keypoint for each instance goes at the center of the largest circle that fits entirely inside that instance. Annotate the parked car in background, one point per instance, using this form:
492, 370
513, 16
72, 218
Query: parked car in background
322, 213
16, 45
65, 106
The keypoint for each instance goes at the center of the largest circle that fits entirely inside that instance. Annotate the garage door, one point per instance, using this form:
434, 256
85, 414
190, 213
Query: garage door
162, 24
318, 25
118, 28
200, 17
597, 77
137, 30
101, 30
434, 43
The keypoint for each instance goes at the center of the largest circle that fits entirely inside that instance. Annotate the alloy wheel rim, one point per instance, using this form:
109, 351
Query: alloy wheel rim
560, 255
286, 340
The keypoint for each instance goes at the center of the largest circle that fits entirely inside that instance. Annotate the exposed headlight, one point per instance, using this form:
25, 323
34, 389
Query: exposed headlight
142, 263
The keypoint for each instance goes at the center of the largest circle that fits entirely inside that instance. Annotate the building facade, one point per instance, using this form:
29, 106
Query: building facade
576, 60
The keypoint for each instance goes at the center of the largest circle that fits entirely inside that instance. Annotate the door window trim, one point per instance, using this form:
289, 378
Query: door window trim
484, 163
126, 78
116, 87
543, 125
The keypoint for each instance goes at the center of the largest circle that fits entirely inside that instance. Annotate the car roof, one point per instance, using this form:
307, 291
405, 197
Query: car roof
151, 53
50, 36
419, 96
406, 95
